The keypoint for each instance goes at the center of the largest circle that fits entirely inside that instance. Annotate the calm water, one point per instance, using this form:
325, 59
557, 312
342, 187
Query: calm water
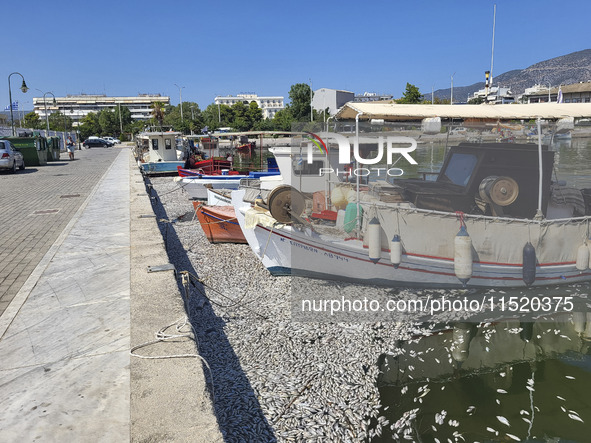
503, 379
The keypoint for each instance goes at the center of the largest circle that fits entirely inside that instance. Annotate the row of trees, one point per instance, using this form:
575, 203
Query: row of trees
242, 116
57, 122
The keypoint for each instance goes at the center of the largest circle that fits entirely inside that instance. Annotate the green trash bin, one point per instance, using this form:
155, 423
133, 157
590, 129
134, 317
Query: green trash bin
34, 149
53, 149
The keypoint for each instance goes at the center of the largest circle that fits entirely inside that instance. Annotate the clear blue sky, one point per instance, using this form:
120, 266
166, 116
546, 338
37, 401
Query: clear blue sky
127, 47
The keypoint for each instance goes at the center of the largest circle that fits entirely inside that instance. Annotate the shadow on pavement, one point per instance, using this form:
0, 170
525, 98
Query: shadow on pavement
236, 406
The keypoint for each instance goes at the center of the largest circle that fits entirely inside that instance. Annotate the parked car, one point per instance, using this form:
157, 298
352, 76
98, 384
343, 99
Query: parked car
10, 157
95, 142
113, 140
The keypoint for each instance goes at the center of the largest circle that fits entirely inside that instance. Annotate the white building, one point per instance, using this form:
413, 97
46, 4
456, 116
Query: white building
573, 93
372, 97
494, 94
79, 106
333, 99
269, 105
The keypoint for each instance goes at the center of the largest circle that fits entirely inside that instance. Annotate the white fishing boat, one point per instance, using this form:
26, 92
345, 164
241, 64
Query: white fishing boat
157, 152
492, 218
196, 186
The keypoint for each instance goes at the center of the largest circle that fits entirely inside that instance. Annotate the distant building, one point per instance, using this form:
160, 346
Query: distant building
495, 94
333, 99
269, 105
371, 97
79, 106
574, 93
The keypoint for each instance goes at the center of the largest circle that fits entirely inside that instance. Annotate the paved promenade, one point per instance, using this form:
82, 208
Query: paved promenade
36, 205
84, 298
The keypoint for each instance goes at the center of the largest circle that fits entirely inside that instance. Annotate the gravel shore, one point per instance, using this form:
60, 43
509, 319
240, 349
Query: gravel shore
271, 378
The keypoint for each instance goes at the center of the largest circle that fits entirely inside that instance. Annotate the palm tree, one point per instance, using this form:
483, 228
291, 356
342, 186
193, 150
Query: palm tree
158, 112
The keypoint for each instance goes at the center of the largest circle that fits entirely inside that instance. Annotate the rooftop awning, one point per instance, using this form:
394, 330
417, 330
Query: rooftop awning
394, 111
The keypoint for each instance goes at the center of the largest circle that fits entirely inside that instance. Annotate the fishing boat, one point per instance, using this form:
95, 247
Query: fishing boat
212, 166
157, 152
196, 186
219, 223
491, 218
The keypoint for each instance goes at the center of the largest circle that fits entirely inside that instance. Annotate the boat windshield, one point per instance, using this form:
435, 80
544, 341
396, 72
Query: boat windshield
460, 168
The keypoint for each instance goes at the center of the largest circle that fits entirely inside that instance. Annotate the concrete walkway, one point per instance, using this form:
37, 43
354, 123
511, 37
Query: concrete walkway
66, 335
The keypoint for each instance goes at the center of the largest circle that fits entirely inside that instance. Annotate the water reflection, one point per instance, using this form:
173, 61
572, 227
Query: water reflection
502, 381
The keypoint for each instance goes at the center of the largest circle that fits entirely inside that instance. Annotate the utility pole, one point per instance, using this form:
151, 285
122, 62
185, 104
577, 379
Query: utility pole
181, 100
311, 109
120, 121
451, 102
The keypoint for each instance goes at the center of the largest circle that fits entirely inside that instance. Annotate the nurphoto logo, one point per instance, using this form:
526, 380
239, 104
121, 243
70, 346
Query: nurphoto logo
387, 146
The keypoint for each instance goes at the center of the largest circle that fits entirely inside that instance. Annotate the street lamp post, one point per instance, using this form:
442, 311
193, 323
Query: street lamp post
24, 88
45, 108
181, 99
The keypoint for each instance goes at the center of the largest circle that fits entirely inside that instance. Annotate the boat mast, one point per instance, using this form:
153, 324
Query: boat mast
358, 227
492, 56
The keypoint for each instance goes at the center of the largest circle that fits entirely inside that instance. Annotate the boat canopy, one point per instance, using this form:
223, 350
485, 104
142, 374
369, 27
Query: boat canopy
394, 111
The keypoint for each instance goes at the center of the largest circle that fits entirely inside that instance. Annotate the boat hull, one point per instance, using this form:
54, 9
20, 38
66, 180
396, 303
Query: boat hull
160, 168
196, 188
219, 223
285, 249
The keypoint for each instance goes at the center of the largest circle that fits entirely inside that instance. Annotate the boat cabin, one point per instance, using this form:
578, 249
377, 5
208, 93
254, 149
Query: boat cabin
499, 179
158, 147
291, 161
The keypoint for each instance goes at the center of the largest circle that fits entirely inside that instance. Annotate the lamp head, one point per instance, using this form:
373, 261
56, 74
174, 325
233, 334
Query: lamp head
24, 86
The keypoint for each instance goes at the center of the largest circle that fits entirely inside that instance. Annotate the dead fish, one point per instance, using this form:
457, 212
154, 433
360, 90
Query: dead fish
492, 430
501, 391
575, 417
570, 377
503, 420
560, 398
513, 437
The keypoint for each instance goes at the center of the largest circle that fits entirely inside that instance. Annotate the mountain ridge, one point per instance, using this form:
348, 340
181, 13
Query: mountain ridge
565, 69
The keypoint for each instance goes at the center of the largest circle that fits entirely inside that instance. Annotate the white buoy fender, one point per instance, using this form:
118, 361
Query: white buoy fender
529, 264
579, 319
463, 255
582, 258
395, 251
461, 337
373, 240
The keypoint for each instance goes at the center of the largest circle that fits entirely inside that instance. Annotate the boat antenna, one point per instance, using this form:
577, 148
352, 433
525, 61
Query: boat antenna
539, 215
492, 56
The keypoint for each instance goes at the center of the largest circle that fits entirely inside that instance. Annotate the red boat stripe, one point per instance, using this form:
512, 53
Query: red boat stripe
423, 270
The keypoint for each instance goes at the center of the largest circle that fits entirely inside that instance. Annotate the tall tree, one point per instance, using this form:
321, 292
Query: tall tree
158, 112
32, 121
59, 122
411, 95
124, 120
254, 114
301, 101
90, 125
108, 122
283, 120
